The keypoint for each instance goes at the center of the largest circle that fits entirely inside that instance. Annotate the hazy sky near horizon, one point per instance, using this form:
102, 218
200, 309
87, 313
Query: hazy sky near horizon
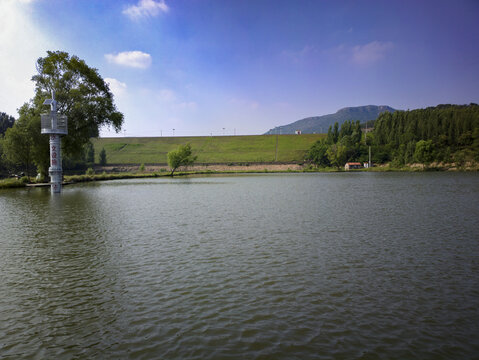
218, 67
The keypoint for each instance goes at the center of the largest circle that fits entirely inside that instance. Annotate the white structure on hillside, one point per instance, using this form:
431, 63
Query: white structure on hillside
55, 125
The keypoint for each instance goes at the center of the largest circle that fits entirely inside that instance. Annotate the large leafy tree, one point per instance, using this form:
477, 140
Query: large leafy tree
337, 155
318, 153
82, 95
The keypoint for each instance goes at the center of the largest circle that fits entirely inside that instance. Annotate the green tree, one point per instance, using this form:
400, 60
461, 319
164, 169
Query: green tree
318, 153
90, 153
357, 134
17, 145
82, 95
183, 156
330, 137
424, 152
24, 145
6, 121
102, 157
337, 155
335, 132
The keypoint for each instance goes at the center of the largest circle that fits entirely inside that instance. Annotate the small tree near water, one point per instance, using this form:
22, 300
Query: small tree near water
182, 156
103, 157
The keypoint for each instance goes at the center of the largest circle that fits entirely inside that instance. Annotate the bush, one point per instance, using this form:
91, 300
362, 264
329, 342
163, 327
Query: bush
90, 172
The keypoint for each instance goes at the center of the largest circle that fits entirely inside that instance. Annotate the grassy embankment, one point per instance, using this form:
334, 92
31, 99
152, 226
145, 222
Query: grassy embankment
209, 149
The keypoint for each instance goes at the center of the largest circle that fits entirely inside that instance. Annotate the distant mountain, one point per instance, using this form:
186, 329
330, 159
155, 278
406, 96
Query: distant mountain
320, 124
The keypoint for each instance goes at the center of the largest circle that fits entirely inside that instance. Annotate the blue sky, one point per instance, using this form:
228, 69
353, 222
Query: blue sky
218, 67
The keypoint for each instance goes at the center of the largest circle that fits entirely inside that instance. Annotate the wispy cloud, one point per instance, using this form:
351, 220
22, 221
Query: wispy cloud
371, 52
362, 55
244, 103
166, 95
146, 9
300, 56
134, 59
173, 100
117, 87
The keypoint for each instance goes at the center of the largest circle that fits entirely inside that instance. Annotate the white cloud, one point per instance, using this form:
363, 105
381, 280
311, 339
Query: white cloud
135, 59
117, 87
370, 53
145, 9
21, 44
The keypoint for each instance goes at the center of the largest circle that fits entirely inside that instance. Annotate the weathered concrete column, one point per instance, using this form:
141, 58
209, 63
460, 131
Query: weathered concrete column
55, 125
55, 169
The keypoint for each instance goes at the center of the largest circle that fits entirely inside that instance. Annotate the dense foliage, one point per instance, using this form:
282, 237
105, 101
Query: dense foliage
445, 133
340, 146
6, 121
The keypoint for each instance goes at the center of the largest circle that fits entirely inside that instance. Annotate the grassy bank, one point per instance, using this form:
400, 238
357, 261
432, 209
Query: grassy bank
209, 149
19, 183
13, 183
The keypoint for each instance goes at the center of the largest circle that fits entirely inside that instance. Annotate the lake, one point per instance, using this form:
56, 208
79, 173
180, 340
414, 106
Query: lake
283, 266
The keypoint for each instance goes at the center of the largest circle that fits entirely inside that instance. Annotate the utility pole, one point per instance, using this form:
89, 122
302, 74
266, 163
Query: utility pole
276, 151
366, 142
55, 125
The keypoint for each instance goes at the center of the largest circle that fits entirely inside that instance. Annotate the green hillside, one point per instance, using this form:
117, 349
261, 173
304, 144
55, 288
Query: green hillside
215, 149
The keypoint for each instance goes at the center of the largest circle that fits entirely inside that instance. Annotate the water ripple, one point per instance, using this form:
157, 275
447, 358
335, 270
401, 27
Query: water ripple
319, 266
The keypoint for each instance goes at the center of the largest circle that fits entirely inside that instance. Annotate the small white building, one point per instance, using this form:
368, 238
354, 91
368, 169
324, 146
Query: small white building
352, 165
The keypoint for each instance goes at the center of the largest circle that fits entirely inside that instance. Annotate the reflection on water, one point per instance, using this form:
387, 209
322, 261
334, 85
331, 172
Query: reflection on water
276, 266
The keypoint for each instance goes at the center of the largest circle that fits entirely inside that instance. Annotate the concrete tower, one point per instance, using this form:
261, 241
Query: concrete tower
55, 125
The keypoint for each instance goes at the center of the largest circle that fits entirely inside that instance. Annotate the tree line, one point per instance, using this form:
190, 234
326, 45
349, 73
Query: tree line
445, 133
342, 144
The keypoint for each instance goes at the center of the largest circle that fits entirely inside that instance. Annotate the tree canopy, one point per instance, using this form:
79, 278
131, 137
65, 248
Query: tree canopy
183, 156
82, 95
341, 145
6, 121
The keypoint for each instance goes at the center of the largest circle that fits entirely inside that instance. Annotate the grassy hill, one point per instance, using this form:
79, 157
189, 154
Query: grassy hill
209, 149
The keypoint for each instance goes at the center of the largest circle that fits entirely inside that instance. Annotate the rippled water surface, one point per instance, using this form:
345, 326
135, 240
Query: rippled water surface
294, 266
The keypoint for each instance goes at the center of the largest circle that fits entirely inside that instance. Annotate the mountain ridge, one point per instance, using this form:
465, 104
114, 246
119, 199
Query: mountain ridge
320, 124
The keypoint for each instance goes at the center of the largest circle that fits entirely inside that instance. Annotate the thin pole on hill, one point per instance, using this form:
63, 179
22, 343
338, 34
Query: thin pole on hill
276, 151
366, 142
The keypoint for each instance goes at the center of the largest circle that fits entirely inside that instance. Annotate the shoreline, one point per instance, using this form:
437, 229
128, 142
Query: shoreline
115, 172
